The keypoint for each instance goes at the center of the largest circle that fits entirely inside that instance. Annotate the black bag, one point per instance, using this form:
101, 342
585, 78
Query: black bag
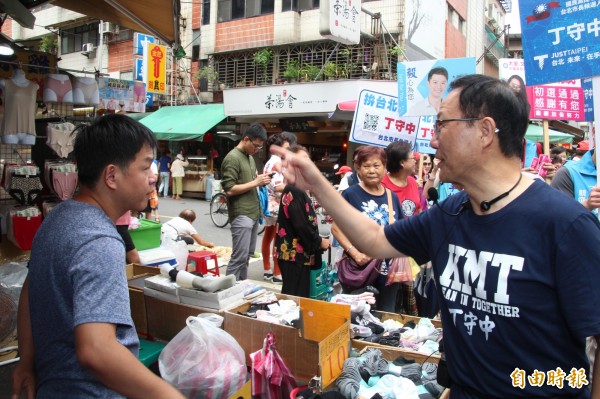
426, 294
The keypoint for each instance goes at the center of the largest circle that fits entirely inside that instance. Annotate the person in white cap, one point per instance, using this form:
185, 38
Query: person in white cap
178, 172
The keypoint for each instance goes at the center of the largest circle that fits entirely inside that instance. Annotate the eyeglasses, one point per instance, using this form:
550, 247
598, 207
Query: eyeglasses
438, 124
257, 146
426, 163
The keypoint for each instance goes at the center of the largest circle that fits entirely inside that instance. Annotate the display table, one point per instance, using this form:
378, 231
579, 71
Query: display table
194, 183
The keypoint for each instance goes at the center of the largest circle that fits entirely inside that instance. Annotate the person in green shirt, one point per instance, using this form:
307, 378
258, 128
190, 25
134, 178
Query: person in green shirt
240, 181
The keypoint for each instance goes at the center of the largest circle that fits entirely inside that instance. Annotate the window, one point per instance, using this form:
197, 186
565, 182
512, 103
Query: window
126, 75
195, 44
72, 40
203, 83
237, 9
205, 12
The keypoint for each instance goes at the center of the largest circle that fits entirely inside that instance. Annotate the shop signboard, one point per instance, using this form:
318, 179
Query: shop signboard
422, 84
560, 39
121, 95
376, 121
139, 40
155, 68
340, 20
302, 99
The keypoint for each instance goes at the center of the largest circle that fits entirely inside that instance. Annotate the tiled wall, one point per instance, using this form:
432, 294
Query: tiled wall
456, 42
120, 56
245, 33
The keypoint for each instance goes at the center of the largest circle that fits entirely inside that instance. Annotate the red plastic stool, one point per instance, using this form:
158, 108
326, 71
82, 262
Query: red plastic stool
201, 260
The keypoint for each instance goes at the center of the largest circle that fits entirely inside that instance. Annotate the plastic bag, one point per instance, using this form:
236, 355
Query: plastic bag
203, 361
399, 271
178, 248
271, 377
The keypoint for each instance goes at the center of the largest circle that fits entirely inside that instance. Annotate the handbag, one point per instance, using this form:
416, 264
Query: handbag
353, 276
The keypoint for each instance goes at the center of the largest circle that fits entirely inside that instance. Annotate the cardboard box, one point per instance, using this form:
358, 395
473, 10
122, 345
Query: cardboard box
220, 300
318, 348
135, 276
163, 296
162, 283
167, 319
245, 392
392, 352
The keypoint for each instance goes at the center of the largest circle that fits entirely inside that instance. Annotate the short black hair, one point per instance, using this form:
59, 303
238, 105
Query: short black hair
437, 71
110, 139
396, 152
482, 96
255, 131
557, 150
280, 138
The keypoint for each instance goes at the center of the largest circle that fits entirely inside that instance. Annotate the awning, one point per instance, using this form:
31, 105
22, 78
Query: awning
536, 133
159, 18
185, 122
344, 111
138, 115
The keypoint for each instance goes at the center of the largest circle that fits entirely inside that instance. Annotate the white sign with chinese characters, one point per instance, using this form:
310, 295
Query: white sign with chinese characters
340, 20
376, 121
298, 99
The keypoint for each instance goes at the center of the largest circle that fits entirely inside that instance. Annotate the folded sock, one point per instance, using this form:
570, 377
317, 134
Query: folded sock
349, 380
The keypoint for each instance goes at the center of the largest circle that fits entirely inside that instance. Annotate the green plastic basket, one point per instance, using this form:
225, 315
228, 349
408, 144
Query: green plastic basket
147, 236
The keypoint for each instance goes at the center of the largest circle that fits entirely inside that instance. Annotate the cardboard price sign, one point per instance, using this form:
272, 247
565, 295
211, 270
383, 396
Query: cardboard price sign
331, 366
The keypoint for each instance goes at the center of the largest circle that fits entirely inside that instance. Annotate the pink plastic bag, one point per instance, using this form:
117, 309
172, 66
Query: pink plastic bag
271, 378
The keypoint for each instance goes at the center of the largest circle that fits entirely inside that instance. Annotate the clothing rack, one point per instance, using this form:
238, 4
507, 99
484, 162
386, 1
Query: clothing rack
57, 68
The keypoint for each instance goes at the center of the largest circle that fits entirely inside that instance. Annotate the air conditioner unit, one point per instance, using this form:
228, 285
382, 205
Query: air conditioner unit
107, 27
88, 48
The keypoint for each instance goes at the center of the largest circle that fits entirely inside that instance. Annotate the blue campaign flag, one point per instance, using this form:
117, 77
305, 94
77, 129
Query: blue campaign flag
588, 99
560, 40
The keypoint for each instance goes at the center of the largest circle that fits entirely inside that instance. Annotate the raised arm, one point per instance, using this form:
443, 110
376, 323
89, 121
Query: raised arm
364, 233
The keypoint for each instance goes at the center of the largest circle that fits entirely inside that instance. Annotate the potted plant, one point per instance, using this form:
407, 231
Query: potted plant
210, 74
292, 71
397, 51
330, 70
262, 59
49, 44
310, 72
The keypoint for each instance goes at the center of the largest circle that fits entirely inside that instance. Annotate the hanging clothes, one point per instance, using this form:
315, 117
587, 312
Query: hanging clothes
19, 112
58, 89
85, 91
60, 138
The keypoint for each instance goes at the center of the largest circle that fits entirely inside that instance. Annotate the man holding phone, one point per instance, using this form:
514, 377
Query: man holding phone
240, 182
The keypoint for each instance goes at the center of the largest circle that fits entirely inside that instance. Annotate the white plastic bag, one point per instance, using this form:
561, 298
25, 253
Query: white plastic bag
178, 248
203, 361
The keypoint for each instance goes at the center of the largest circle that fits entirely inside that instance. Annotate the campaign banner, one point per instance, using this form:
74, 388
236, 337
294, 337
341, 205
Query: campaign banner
560, 39
422, 85
556, 102
121, 95
588, 99
155, 68
376, 121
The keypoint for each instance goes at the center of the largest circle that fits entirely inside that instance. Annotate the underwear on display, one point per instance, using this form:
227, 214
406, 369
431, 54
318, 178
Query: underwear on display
58, 89
85, 91
60, 138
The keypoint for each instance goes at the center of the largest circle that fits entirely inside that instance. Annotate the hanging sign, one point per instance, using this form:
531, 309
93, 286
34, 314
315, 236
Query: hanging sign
155, 71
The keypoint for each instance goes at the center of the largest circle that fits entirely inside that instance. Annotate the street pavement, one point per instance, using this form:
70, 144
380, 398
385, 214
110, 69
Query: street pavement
169, 208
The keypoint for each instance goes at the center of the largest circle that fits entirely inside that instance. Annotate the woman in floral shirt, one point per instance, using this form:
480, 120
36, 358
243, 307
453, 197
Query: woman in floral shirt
298, 244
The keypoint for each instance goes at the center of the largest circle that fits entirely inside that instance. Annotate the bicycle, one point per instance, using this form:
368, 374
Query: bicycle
219, 214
